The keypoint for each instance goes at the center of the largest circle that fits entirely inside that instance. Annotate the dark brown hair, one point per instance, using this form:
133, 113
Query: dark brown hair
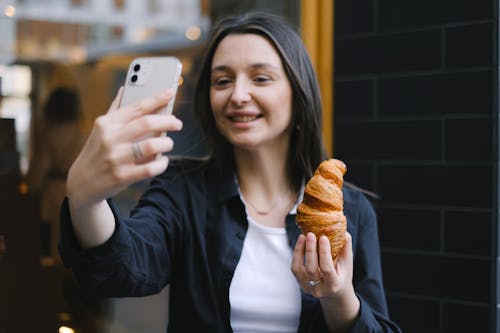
306, 149
63, 105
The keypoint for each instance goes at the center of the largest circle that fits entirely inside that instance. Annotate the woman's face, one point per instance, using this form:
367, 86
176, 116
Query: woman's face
250, 95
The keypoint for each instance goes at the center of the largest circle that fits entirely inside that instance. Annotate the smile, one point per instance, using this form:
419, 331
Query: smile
244, 119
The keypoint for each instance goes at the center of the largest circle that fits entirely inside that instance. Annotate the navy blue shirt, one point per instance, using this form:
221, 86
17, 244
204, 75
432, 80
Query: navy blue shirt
187, 230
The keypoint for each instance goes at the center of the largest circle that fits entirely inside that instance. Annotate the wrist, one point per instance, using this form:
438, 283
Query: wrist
75, 190
341, 311
74, 199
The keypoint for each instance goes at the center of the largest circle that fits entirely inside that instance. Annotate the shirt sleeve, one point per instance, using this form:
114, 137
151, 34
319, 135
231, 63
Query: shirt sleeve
137, 259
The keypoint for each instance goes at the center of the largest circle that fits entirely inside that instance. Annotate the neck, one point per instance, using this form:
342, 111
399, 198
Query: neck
264, 184
264, 172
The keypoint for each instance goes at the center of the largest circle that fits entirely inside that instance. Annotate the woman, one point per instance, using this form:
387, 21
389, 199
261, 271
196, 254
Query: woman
222, 232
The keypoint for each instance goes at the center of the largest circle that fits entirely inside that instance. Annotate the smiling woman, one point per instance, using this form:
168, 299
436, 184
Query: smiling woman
221, 231
250, 94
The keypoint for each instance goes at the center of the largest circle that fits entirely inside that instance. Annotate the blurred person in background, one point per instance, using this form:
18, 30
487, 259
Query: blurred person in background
55, 147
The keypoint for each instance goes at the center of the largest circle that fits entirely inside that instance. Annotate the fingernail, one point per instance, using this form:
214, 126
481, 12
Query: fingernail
179, 123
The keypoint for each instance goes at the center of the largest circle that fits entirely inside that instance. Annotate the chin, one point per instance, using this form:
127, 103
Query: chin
243, 143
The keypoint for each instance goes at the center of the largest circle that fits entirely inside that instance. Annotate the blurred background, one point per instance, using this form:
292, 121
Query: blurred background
410, 96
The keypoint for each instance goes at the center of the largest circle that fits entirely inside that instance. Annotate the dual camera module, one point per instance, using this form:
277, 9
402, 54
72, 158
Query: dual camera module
134, 77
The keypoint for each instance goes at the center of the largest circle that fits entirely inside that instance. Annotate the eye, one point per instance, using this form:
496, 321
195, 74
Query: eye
221, 82
262, 78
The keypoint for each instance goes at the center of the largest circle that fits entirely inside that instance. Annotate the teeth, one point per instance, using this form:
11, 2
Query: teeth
244, 119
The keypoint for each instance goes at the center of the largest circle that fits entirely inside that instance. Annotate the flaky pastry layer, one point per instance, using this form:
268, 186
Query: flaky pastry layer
321, 210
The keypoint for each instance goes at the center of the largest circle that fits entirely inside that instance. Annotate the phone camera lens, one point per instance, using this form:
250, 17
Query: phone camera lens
133, 78
137, 67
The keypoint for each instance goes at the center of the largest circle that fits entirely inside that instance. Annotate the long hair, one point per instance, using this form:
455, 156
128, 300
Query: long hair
62, 106
306, 149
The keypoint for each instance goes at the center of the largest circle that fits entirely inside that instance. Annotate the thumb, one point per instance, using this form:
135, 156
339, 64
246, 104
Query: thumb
116, 102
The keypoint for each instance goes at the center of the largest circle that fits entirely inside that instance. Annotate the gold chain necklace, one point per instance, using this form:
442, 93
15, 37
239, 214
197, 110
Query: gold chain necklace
271, 208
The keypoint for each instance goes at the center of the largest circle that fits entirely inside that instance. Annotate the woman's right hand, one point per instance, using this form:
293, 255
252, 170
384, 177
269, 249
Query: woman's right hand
107, 164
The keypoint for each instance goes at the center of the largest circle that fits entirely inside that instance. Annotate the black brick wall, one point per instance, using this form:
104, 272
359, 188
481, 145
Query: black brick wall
416, 120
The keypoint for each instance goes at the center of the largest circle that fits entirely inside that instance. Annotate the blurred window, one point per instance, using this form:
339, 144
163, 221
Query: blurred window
15, 89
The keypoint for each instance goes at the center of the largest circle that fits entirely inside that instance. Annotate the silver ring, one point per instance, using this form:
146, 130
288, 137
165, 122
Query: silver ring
313, 283
136, 151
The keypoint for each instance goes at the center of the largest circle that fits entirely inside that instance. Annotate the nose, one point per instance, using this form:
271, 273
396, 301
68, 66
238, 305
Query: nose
241, 92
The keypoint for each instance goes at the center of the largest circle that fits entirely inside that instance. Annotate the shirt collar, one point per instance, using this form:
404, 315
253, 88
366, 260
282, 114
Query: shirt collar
230, 188
226, 183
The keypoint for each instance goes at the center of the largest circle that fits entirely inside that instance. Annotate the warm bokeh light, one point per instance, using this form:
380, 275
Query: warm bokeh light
23, 188
2, 244
76, 54
66, 329
10, 11
193, 32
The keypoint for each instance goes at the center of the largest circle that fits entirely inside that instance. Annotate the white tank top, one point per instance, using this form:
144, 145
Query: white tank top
264, 294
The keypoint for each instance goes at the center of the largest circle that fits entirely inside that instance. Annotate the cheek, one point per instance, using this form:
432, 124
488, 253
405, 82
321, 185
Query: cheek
283, 103
288, 102
216, 102
212, 101
216, 105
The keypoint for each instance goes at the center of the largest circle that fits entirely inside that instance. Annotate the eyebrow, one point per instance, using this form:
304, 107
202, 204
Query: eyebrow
264, 65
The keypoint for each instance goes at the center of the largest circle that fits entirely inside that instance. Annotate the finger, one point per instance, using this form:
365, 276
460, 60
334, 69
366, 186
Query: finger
145, 106
144, 151
116, 102
150, 125
148, 170
311, 263
151, 147
326, 263
346, 257
298, 258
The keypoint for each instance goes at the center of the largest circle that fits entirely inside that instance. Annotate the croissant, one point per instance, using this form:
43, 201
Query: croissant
321, 210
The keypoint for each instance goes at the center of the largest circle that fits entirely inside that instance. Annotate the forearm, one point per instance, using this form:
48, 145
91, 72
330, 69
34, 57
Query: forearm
340, 313
93, 225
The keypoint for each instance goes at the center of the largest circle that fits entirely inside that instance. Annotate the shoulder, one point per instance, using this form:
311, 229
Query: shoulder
361, 219
179, 183
184, 167
357, 207
191, 172
354, 197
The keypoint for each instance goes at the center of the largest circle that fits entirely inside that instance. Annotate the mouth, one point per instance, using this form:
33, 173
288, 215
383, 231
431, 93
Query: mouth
244, 119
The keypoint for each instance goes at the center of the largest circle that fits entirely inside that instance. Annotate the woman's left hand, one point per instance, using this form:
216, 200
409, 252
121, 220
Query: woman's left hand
330, 281
315, 269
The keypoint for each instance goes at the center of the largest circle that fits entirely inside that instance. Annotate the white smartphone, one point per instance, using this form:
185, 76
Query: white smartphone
149, 76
